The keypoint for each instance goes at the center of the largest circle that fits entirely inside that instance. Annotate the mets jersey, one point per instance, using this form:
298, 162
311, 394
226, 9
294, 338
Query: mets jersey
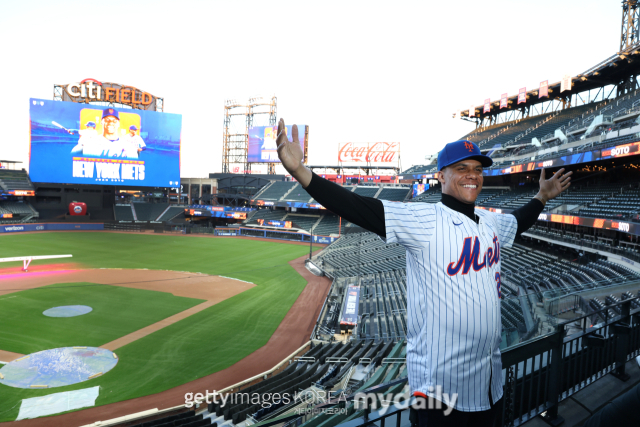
453, 299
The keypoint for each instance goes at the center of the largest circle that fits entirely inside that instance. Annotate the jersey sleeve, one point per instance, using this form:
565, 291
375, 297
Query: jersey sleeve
409, 224
507, 228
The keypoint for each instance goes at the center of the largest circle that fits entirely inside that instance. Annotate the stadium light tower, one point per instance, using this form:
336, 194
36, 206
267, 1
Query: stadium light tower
238, 118
629, 35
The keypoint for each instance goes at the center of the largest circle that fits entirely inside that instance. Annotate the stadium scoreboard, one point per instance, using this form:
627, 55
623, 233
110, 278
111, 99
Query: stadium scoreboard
76, 143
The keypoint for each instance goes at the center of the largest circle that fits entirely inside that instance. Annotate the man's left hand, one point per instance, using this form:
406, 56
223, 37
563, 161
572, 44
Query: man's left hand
552, 187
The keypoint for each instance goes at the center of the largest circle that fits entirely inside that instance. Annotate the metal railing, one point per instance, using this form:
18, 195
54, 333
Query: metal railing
542, 373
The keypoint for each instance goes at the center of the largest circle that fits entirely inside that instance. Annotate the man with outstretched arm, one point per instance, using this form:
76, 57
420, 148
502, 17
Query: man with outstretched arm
453, 276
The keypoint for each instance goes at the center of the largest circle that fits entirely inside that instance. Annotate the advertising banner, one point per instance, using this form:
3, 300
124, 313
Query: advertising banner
13, 228
418, 189
487, 106
86, 144
350, 308
323, 239
503, 101
543, 92
621, 151
262, 143
522, 95
368, 152
565, 84
22, 192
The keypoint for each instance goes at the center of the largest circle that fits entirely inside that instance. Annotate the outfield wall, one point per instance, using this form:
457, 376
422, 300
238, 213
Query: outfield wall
273, 234
17, 228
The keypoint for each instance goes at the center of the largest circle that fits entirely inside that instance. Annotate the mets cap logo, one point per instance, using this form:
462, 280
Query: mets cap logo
77, 209
111, 111
468, 146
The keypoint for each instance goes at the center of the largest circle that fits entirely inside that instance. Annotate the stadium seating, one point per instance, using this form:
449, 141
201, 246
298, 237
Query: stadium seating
586, 240
348, 368
619, 206
394, 194
149, 211
275, 191
539, 272
306, 222
365, 190
330, 224
432, 195
15, 180
297, 194
185, 419
171, 213
123, 213
421, 169
266, 214
23, 208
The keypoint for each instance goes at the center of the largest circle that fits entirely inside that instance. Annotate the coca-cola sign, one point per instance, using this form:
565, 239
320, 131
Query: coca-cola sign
368, 152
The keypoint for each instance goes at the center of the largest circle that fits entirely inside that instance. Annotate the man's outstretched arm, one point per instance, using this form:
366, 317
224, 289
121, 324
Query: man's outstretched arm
366, 212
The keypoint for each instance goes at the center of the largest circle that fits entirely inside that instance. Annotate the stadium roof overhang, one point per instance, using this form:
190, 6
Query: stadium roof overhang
612, 71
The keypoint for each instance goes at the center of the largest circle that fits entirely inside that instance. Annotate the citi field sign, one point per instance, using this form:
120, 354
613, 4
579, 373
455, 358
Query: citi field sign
368, 152
91, 90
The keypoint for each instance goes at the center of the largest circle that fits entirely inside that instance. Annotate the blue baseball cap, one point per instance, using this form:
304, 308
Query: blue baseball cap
110, 112
90, 125
133, 127
455, 152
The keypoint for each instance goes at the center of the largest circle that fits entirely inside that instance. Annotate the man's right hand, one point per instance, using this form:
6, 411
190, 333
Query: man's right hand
291, 155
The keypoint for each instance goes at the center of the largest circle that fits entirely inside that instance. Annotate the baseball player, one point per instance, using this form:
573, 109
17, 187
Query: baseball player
88, 137
106, 145
453, 277
133, 143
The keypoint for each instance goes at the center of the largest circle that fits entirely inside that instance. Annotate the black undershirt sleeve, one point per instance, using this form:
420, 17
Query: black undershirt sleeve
366, 212
527, 215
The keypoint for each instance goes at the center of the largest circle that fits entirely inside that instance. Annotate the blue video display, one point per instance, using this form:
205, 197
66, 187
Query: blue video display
88, 144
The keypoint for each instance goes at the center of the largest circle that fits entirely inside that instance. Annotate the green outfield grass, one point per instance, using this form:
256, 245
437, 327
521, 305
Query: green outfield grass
202, 344
117, 311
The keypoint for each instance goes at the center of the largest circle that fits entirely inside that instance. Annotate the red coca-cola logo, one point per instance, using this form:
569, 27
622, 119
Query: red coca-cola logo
375, 152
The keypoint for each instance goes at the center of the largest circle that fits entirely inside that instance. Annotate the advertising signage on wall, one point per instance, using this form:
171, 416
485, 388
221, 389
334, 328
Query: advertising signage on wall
86, 144
368, 152
606, 224
623, 150
92, 90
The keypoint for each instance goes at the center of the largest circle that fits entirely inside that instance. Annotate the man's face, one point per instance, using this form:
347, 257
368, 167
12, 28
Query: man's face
132, 132
110, 124
462, 180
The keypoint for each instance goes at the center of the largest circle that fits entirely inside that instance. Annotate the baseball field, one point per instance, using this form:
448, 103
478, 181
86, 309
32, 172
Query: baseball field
224, 298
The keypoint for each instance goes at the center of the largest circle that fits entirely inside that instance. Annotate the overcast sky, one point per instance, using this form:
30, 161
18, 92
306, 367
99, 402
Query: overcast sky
353, 71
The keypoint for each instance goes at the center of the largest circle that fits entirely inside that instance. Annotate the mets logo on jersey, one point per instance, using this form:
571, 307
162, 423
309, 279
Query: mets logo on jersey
470, 257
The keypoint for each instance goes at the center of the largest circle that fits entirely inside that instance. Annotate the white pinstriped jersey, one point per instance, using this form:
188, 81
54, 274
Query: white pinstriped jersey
453, 298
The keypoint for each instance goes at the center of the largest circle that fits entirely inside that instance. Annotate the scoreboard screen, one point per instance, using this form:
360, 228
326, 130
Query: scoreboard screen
74, 143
